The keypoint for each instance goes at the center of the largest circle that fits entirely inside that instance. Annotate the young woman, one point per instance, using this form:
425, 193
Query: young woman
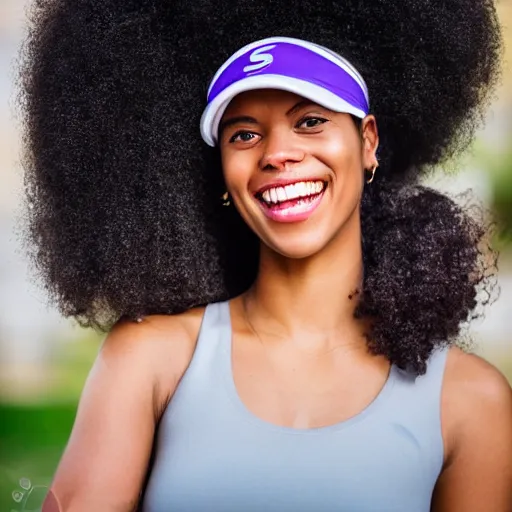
282, 297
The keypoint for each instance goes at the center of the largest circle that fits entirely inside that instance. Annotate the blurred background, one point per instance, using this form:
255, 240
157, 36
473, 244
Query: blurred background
44, 359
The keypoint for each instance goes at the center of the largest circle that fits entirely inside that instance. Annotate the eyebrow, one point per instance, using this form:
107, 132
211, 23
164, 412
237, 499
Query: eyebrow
235, 120
299, 105
250, 120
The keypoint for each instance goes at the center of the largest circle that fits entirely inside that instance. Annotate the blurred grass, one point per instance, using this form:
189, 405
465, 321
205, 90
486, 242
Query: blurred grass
33, 438
34, 429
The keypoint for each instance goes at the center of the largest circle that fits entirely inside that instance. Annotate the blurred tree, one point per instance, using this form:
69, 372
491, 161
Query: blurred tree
499, 166
502, 197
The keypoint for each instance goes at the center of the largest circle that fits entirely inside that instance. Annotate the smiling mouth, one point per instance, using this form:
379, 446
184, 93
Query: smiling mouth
293, 193
292, 202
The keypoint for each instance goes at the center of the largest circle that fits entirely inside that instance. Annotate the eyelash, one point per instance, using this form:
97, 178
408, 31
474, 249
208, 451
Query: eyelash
312, 118
302, 121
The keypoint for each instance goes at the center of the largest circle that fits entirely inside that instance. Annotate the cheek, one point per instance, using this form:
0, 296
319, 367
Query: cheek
236, 168
343, 156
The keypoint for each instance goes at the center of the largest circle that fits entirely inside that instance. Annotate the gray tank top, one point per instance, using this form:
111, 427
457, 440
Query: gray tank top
212, 454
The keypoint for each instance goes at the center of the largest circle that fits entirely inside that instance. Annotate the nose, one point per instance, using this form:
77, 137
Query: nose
281, 150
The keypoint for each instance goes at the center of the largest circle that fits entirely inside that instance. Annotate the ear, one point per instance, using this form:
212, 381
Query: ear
370, 140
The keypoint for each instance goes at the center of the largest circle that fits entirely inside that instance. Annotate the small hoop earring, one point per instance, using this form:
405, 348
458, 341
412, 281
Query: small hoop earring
225, 199
372, 174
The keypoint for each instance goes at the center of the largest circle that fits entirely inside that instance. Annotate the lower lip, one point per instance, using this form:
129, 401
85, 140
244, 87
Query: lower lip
292, 211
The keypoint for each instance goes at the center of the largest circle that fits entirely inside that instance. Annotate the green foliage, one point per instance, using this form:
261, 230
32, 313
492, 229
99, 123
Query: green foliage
34, 431
499, 166
32, 440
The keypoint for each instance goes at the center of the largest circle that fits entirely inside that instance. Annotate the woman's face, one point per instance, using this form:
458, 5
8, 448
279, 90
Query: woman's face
295, 170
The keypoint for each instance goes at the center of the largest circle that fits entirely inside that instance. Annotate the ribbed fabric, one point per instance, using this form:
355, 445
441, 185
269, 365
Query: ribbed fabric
212, 454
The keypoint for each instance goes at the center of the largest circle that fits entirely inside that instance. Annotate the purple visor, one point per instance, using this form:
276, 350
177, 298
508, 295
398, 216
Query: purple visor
293, 65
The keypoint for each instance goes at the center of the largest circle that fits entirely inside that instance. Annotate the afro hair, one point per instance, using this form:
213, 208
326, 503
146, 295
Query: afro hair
124, 214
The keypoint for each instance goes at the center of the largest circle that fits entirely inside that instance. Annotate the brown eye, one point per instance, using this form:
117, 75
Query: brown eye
311, 122
242, 137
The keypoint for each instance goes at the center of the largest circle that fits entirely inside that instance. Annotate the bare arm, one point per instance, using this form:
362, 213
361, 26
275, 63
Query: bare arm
135, 374
477, 425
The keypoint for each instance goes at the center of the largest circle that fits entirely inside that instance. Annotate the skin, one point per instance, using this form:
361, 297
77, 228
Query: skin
294, 364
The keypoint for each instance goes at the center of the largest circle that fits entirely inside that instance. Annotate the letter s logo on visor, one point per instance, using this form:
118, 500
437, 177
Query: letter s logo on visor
261, 60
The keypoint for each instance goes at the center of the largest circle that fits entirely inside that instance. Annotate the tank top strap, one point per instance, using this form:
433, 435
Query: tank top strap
203, 382
212, 344
436, 368
429, 385
416, 407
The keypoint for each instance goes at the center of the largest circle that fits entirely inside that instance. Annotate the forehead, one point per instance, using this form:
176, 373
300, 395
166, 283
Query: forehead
258, 97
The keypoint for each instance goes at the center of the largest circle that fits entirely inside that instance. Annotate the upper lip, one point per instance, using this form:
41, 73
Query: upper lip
283, 182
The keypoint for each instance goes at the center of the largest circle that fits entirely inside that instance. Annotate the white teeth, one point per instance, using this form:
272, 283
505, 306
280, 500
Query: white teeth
281, 194
302, 189
293, 191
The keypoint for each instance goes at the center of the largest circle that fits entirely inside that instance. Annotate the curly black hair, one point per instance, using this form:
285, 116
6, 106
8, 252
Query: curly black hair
124, 214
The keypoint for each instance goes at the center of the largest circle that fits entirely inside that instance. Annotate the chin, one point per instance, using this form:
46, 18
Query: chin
298, 246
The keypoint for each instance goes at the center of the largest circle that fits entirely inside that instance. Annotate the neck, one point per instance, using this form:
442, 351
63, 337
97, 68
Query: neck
313, 297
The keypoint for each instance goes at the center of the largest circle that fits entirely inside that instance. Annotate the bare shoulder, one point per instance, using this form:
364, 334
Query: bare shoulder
477, 399
474, 380
134, 375
161, 332
161, 345
476, 414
